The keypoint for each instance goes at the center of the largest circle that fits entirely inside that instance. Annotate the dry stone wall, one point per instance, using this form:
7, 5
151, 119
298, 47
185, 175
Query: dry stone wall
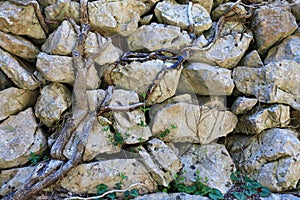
137, 92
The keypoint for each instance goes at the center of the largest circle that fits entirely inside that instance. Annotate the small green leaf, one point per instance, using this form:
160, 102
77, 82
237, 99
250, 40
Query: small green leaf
239, 196
134, 193
101, 189
265, 192
112, 196
215, 194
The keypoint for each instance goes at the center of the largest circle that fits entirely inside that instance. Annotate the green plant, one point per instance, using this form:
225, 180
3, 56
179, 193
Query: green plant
144, 108
117, 138
142, 123
34, 158
249, 188
167, 131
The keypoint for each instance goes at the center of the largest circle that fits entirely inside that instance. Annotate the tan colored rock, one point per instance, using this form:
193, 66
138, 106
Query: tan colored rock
14, 100
4, 81
63, 9
171, 196
176, 14
95, 98
157, 36
212, 163
205, 4
54, 99
22, 77
85, 177
252, 59
18, 46
243, 104
219, 11
20, 136
20, 20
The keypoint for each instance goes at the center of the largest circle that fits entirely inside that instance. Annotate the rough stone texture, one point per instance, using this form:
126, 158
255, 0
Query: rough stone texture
218, 12
62, 10
139, 77
271, 83
20, 136
18, 46
85, 177
131, 123
95, 98
282, 197
252, 59
157, 36
196, 124
226, 52
14, 100
269, 28
210, 162
20, 20
272, 158
177, 15
54, 99
172, 196
204, 79
206, 4
296, 9
22, 77
242, 104
61, 41
289, 49
4, 81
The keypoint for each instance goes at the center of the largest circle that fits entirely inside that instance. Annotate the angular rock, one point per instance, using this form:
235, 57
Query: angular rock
204, 79
14, 100
206, 4
252, 59
139, 77
16, 72
171, 196
62, 41
272, 158
18, 46
271, 83
54, 99
219, 11
196, 124
20, 20
85, 177
62, 10
211, 163
19, 137
4, 81
269, 28
264, 118
177, 15
226, 52
158, 36
242, 104
289, 49
131, 124
95, 98
296, 9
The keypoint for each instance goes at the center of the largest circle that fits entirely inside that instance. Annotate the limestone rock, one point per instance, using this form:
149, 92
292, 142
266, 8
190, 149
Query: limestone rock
252, 59
281, 196
20, 20
14, 100
210, 162
95, 98
62, 10
4, 81
54, 99
131, 124
272, 158
219, 11
158, 36
177, 15
264, 118
16, 72
18, 46
269, 28
20, 136
242, 105
85, 177
289, 49
205, 4
296, 9
196, 124
226, 52
139, 77
171, 196
204, 79
271, 83
62, 41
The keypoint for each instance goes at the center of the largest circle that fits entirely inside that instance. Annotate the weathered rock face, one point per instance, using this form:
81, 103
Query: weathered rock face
172, 196
20, 136
252, 59
62, 9
242, 105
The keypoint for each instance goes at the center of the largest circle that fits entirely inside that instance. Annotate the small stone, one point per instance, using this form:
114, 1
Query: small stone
219, 11
243, 104
252, 59
62, 9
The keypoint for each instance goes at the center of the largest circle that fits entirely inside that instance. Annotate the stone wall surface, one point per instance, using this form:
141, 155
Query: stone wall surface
117, 95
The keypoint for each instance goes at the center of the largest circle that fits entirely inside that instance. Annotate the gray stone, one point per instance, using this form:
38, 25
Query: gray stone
269, 28
62, 9
20, 20
289, 49
62, 41
95, 98
271, 83
158, 36
210, 163
19, 137
85, 177
242, 104
252, 59
219, 11
177, 15
14, 100
54, 99
282, 197
171, 196
17, 72
272, 158
193, 123
204, 79
18, 46
264, 118
295, 4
